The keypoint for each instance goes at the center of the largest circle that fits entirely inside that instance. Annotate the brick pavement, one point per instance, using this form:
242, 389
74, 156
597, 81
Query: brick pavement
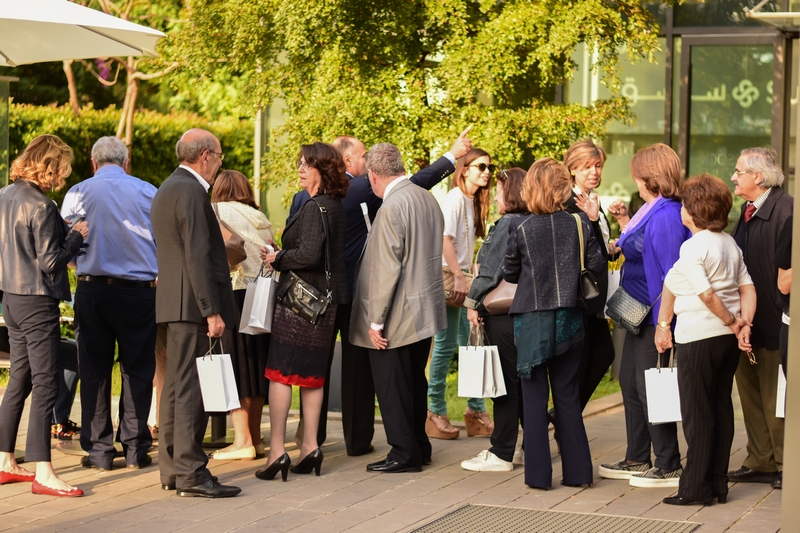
347, 498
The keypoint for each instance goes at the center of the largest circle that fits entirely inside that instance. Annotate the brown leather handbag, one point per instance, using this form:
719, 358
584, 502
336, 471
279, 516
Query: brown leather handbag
449, 281
498, 300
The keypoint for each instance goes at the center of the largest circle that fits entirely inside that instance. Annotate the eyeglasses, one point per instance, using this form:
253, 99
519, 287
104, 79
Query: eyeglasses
218, 154
302, 166
740, 172
752, 358
483, 166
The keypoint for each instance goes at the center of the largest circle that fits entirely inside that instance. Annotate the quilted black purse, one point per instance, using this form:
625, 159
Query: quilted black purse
300, 296
626, 310
587, 283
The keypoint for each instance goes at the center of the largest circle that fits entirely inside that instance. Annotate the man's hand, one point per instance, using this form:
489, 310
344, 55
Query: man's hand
462, 145
744, 338
376, 336
81, 227
216, 326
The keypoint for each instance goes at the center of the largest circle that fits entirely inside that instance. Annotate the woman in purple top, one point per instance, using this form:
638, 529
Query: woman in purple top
651, 243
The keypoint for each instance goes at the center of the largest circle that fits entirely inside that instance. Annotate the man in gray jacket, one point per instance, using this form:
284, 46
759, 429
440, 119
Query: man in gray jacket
398, 305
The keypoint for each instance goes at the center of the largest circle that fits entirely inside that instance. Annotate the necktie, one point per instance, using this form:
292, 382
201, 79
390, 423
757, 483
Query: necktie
749, 211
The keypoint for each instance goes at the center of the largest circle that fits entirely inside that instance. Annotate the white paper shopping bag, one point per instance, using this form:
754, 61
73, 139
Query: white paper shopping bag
259, 305
663, 398
780, 404
496, 386
479, 371
217, 382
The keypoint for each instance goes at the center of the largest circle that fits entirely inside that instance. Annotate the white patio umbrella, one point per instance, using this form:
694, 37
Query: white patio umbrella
34, 31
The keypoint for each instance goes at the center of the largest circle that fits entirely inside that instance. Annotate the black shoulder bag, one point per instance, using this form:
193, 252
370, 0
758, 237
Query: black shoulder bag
300, 296
587, 283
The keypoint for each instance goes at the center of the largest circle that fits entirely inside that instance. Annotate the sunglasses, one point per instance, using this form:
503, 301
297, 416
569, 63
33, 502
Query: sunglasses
483, 166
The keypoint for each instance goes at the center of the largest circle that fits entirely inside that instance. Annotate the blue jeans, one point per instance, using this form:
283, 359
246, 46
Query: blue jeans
445, 344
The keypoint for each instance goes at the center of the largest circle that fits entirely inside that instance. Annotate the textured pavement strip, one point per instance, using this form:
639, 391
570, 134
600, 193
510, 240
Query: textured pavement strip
347, 498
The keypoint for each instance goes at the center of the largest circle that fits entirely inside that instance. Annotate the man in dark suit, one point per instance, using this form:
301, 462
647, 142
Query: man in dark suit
195, 300
399, 306
357, 388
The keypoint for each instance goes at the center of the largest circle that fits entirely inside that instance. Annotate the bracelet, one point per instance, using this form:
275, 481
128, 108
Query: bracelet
731, 321
663, 325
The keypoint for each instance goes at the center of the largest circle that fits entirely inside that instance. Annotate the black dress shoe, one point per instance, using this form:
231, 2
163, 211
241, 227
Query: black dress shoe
209, 489
171, 485
426, 461
745, 475
777, 484
147, 461
87, 463
721, 497
365, 451
677, 500
392, 467
312, 461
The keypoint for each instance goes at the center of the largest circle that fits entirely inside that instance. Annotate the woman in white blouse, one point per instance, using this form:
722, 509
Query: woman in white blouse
713, 297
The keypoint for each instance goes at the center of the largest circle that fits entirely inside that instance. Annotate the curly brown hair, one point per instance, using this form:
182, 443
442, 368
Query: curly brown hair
233, 186
46, 161
707, 200
330, 164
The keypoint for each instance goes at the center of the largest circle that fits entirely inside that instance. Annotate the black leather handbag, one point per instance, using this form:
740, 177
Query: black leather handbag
300, 296
587, 283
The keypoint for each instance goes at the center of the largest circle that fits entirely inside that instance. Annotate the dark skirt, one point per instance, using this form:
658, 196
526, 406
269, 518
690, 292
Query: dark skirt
298, 351
249, 357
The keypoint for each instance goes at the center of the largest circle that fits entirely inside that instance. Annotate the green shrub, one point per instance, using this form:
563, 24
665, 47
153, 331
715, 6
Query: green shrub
155, 135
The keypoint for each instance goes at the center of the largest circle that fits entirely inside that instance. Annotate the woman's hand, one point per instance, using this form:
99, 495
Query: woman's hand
737, 325
744, 338
267, 257
81, 227
459, 288
663, 339
589, 204
473, 317
619, 211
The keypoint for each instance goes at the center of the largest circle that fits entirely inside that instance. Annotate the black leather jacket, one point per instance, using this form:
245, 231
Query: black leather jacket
35, 243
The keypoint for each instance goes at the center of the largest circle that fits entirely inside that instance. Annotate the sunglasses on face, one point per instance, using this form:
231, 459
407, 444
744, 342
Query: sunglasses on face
483, 166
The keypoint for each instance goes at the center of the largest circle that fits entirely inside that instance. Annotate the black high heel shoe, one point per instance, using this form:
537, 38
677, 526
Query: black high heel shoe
282, 463
312, 461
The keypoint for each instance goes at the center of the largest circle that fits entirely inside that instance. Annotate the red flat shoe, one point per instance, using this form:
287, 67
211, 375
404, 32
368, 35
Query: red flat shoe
38, 488
8, 477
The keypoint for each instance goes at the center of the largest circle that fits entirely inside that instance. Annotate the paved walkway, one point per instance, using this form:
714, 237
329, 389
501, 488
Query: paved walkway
347, 498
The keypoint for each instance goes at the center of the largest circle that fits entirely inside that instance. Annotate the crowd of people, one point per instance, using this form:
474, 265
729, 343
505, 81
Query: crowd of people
367, 253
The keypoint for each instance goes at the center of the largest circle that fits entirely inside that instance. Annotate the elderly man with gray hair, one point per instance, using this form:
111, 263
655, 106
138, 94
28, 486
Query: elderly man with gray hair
115, 303
757, 179
398, 305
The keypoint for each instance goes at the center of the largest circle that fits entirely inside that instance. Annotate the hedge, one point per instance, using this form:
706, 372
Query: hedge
154, 138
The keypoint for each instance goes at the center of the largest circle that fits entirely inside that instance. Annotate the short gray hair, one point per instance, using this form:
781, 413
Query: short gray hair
109, 151
190, 151
384, 160
764, 160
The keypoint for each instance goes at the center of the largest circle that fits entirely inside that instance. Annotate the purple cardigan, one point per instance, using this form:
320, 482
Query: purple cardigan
650, 251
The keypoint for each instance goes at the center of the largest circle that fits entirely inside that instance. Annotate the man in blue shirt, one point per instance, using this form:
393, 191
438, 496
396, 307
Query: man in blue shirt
115, 303
357, 388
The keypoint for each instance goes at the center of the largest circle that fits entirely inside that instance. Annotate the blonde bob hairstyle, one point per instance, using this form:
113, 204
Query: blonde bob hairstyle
659, 167
546, 187
582, 154
46, 161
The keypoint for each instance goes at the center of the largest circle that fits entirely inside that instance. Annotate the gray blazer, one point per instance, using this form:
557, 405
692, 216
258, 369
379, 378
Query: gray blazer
193, 275
399, 278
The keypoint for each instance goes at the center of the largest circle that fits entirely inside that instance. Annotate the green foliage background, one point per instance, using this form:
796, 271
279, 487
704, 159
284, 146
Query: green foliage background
155, 136
417, 72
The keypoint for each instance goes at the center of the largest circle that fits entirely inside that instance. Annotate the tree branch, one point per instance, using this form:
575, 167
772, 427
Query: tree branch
102, 80
153, 75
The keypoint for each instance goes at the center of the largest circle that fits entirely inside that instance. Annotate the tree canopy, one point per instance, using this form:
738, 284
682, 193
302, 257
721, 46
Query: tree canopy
416, 72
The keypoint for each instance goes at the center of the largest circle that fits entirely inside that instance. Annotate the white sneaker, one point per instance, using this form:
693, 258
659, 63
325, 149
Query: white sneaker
486, 461
519, 457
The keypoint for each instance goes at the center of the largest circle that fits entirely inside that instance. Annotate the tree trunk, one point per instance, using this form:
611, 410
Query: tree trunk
73, 88
134, 95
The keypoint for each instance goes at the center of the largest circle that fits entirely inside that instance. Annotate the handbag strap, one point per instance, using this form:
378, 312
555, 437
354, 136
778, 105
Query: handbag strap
324, 213
580, 236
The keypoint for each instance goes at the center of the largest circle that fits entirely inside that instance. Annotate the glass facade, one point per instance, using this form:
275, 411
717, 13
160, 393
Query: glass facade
716, 13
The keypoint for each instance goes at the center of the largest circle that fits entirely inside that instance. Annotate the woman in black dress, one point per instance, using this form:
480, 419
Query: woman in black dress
299, 351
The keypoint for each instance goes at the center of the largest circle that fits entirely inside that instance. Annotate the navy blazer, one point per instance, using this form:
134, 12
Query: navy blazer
360, 191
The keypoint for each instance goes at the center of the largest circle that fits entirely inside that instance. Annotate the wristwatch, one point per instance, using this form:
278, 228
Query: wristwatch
664, 325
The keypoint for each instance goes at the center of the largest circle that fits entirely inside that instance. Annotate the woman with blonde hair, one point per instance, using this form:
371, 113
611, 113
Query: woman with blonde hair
35, 247
465, 210
543, 258
235, 204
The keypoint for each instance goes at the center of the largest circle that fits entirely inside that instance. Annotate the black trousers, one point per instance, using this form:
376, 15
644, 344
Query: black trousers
68, 376
562, 373
107, 315
508, 408
34, 339
357, 388
183, 419
402, 388
638, 354
597, 356
705, 380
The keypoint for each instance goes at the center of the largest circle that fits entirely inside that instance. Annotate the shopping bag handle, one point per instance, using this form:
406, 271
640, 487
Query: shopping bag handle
671, 360
212, 343
476, 335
